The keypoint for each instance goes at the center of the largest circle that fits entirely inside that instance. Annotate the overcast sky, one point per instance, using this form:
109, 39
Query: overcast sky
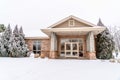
33, 15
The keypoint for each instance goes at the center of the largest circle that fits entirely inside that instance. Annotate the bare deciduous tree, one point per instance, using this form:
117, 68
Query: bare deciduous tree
115, 32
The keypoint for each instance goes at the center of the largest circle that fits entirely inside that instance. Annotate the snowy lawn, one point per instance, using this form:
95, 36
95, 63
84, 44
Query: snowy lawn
50, 69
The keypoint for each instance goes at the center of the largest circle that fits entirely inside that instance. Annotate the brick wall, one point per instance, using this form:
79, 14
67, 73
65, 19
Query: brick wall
45, 45
29, 43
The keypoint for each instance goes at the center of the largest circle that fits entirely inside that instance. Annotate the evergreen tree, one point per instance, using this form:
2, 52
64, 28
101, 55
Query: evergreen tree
15, 43
21, 32
19, 48
23, 45
2, 27
104, 43
5, 42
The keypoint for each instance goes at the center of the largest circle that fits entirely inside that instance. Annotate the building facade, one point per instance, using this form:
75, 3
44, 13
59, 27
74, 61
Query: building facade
71, 37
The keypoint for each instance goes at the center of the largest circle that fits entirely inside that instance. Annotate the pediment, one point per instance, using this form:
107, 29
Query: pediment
76, 22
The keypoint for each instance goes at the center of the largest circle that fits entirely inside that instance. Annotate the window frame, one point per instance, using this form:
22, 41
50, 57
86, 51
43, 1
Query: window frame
37, 45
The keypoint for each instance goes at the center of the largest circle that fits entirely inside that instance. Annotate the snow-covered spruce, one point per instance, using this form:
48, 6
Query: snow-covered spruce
19, 48
104, 43
15, 46
5, 42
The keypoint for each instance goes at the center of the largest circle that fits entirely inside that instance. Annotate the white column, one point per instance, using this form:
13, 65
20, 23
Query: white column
53, 42
90, 42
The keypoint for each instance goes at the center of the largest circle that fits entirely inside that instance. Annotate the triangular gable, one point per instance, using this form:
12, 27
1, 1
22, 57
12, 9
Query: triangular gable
72, 17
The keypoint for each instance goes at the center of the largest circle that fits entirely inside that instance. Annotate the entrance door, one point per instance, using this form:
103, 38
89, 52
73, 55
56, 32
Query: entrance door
71, 49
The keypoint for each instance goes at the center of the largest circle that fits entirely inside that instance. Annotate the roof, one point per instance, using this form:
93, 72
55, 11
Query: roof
73, 17
36, 37
71, 31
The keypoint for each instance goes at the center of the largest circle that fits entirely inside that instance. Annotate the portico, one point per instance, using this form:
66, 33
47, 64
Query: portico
73, 37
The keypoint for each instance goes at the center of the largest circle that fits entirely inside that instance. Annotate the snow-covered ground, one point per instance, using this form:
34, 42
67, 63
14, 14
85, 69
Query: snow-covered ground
57, 69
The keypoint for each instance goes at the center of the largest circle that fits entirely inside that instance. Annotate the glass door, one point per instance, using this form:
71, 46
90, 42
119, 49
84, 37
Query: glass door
71, 49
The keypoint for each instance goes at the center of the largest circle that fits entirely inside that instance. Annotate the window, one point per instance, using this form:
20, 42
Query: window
37, 47
71, 23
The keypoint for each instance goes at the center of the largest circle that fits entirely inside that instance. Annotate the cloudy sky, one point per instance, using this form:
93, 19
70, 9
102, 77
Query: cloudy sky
33, 15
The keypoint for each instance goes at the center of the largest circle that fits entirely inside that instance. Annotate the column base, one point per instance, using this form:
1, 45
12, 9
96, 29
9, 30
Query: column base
53, 54
46, 53
91, 55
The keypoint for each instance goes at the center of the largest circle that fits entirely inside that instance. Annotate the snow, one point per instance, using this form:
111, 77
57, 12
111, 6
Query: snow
57, 69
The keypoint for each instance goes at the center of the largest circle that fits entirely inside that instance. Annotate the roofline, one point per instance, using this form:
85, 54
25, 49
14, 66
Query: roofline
36, 37
48, 31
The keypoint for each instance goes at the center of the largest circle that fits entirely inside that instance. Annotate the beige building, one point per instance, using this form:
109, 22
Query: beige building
71, 37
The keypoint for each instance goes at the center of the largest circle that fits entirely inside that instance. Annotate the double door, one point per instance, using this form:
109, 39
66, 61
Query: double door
71, 49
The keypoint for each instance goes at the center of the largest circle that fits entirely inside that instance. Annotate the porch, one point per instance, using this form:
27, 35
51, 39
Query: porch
73, 42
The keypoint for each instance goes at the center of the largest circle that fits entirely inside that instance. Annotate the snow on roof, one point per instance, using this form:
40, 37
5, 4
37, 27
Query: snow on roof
34, 33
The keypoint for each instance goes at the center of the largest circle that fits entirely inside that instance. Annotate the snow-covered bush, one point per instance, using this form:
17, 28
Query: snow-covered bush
112, 60
118, 60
